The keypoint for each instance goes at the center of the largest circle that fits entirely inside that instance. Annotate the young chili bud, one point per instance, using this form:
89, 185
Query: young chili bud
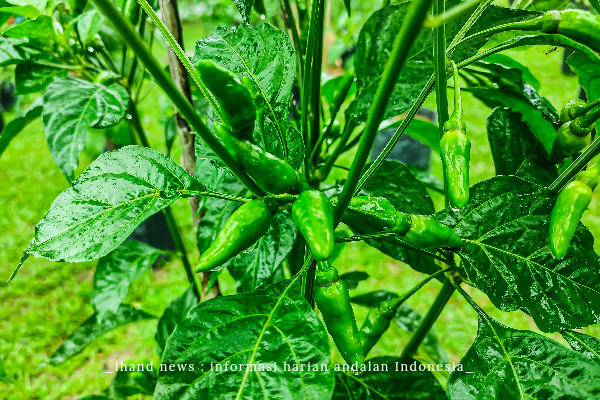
567, 143
572, 110
333, 300
313, 215
241, 230
377, 322
235, 101
572, 201
425, 232
270, 173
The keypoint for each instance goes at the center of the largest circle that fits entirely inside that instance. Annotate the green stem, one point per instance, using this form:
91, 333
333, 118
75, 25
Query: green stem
432, 315
576, 166
385, 3
397, 135
308, 286
180, 54
180, 245
397, 302
166, 84
216, 195
315, 96
452, 13
470, 300
465, 28
590, 118
137, 124
441, 80
134, 63
138, 91
322, 172
412, 23
107, 59
587, 108
295, 41
307, 79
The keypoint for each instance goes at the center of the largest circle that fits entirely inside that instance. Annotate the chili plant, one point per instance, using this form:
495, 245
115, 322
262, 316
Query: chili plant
257, 164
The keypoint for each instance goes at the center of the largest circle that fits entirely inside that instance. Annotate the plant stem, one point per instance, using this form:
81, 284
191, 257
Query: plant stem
306, 81
432, 315
138, 91
137, 124
315, 81
134, 63
412, 23
289, 15
162, 80
308, 286
322, 172
179, 244
470, 300
397, 302
180, 54
576, 166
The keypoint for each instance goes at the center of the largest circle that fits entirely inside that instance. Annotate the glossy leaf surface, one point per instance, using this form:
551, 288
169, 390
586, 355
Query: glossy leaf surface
261, 264
398, 378
505, 363
71, 106
515, 149
587, 345
266, 56
117, 270
115, 194
506, 254
32, 78
174, 313
375, 42
261, 329
93, 328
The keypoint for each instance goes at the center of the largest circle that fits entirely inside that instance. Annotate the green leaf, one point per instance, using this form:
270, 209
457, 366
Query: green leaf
34, 29
71, 106
266, 56
262, 329
3, 376
174, 314
245, 8
26, 11
506, 61
546, 5
39, 4
506, 254
589, 346
428, 180
170, 133
375, 42
31, 77
261, 265
15, 126
117, 270
424, 131
353, 278
129, 383
393, 181
15, 50
373, 299
390, 377
588, 72
115, 194
511, 364
92, 329
296, 148
89, 24
515, 149
532, 116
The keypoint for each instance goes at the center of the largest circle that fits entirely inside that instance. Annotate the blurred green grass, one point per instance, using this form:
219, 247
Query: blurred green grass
47, 300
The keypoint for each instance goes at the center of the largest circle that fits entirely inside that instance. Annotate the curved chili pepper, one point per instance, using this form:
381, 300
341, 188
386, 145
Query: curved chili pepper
312, 213
377, 322
333, 300
572, 110
270, 173
241, 230
426, 232
236, 106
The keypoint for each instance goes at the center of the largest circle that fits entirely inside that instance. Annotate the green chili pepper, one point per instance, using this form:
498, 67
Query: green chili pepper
241, 230
377, 322
455, 151
572, 110
313, 215
235, 101
333, 300
370, 212
567, 142
573, 200
76, 7
270, 173
425, 232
